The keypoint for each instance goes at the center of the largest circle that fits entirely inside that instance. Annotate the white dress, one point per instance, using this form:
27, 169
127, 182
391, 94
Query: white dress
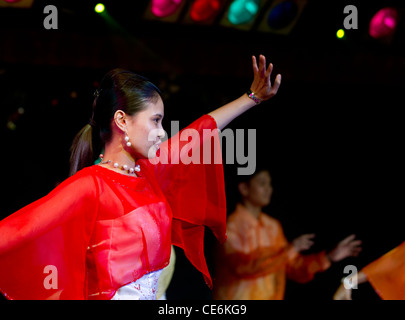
150, 286
145, 288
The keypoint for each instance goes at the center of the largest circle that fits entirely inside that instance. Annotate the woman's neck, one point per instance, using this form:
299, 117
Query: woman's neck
117, 154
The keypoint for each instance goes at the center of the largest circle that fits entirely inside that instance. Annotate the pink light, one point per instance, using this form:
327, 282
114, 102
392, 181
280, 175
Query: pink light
11, 1
164, 8
383, 23
390, 22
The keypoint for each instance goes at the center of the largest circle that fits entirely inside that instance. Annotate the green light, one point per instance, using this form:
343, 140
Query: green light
243, 11
251, 7
340, 33
99, 8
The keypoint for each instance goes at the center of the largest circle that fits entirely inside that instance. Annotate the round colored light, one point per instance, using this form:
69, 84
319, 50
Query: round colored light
340, 33
203, 10
282, 15
99, 8
164, 8
383, 23
243, 11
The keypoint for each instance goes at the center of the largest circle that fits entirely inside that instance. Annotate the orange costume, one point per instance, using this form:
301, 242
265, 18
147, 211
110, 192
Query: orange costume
387, 274
256, 259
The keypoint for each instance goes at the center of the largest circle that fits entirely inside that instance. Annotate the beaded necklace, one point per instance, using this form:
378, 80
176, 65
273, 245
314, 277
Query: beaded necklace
124, 167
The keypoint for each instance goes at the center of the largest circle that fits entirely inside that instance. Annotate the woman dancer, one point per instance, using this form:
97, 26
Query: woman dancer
106, 232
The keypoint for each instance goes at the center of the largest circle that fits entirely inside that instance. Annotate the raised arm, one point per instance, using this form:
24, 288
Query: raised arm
261, 88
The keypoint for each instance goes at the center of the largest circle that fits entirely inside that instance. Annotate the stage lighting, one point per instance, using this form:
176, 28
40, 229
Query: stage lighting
242, 14
23, 4
164, 8
340, 34
243, 11
203, 10
99, 8
383, 23
282, 16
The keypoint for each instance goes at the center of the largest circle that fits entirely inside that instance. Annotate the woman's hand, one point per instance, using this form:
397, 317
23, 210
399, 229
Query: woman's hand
261, 85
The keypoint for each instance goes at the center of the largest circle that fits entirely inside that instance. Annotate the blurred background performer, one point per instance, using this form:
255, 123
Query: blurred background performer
256, 259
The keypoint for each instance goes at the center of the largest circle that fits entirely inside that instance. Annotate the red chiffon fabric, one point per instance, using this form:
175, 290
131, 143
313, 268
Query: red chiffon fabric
100, 230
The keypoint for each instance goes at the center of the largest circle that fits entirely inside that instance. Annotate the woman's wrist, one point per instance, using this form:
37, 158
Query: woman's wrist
254, 97
246, 102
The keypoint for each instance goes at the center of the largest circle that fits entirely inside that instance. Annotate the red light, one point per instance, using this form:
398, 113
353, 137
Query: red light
203, 10
383, 23
164, 8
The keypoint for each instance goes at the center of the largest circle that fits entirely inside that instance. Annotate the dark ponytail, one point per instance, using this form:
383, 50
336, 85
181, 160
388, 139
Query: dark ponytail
119, 90
82, 152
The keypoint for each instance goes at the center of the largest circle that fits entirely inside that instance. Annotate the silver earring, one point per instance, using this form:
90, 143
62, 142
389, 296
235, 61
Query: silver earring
127, 140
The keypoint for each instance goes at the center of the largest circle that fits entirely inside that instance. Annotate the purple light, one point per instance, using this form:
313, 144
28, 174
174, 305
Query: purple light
164, 8
383, 23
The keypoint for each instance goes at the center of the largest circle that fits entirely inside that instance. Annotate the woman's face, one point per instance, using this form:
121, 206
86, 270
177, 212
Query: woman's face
145, 129
259, 190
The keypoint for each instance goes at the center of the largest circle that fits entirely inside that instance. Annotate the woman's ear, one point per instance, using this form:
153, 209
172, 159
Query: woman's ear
120, 120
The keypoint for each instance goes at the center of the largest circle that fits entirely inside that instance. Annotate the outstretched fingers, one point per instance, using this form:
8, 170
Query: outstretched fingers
262, 65
269, 70
262, 83
276, 85
261, 68
254, 65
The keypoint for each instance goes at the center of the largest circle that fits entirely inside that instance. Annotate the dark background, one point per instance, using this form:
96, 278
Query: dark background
331, 136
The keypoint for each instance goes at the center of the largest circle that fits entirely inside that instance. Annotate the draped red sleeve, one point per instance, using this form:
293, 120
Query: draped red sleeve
43, 245
189, 170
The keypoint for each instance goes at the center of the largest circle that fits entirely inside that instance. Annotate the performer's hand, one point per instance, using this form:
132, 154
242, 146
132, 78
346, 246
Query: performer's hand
342, 293
303, 242
261, 85
348, 247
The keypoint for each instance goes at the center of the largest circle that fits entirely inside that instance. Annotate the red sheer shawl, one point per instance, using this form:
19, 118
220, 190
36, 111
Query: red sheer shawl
52, 235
